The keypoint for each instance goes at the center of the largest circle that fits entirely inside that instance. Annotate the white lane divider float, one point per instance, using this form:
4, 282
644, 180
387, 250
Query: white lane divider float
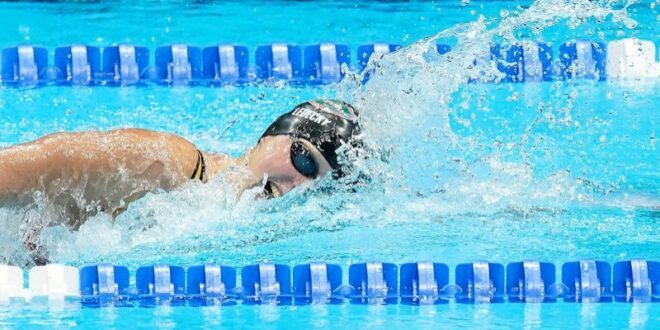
11, 284
54, 284
631, 59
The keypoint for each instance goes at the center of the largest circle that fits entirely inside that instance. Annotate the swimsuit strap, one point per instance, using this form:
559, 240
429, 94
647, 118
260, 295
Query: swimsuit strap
200, 168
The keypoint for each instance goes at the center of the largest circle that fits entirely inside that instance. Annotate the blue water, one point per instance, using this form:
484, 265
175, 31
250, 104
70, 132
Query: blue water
555, 171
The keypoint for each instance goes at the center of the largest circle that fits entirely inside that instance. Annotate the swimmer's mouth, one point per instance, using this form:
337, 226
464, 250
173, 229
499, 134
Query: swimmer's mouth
271, 190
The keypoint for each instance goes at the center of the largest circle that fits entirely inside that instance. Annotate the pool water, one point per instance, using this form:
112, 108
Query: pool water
555, 171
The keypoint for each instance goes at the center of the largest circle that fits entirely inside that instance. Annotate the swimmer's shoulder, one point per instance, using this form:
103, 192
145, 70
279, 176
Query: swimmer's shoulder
146, 135
169, 148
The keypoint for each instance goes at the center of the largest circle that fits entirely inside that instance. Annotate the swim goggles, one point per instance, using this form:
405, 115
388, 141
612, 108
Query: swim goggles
303, 160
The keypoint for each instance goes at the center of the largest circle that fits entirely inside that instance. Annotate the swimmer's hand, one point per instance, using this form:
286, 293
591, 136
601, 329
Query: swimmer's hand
38, 253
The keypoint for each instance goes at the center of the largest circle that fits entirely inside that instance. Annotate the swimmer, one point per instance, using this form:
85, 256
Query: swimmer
82, 174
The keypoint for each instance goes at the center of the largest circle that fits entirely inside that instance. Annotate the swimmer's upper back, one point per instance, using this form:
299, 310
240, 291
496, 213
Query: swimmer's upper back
104, 166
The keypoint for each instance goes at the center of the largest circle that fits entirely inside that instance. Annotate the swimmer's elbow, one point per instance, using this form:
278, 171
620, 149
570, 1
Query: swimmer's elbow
8, 186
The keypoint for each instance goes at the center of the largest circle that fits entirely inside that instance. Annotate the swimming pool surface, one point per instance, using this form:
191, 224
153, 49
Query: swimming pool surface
555, 171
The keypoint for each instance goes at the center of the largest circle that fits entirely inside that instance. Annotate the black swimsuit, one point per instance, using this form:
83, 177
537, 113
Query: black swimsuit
200, 168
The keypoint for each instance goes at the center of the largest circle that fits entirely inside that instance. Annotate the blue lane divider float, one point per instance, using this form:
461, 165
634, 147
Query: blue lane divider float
323, 62
480, 282
537, 62
226, 64
24, 65
509, 61
178, 64
527, 62
279, 61
582, 59
266, 283
421, 283
365, 52
636, 280
104, 284
222, 64
587, 281
373, 282
210, 284
77, 65
160, 283
124, 64
317, 282
531, 281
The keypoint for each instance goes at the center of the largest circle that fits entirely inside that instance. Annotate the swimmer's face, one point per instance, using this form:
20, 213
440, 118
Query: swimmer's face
271, 158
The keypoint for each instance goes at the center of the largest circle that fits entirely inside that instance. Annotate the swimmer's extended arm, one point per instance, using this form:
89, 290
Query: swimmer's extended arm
94, 161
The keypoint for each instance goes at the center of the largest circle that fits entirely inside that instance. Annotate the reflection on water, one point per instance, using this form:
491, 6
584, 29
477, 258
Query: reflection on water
504, 316
639, 316
163, 318
588, 314
532, 316
212, 315
268, 313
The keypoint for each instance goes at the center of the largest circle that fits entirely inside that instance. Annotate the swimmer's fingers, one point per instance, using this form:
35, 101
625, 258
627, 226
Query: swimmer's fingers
39, 254
118, 211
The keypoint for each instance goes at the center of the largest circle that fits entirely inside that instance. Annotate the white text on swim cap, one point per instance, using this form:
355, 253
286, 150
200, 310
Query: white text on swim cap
311, 115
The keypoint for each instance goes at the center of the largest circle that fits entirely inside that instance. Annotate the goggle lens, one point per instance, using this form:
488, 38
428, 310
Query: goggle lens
303, 160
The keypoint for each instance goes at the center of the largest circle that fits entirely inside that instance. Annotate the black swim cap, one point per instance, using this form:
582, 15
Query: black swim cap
327, 124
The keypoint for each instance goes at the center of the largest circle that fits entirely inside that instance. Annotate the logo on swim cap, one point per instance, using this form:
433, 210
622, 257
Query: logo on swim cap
336, 108
311, 115
327, 124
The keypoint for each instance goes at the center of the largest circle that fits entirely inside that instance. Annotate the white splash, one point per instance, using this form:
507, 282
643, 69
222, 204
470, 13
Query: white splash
420, 167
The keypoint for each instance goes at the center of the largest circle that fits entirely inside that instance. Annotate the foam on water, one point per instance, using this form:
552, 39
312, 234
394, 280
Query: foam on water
438, 148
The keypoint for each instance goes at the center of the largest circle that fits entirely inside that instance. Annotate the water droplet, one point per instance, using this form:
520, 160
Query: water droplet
653, 139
